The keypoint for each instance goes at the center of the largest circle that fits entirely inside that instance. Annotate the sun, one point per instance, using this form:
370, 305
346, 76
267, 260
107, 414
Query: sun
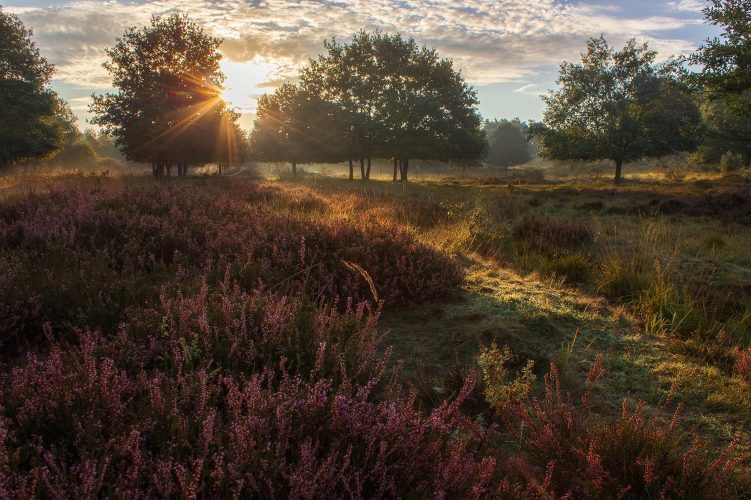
245, 82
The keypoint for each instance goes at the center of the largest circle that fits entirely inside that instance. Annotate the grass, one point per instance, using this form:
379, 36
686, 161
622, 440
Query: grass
658, 289
654, 275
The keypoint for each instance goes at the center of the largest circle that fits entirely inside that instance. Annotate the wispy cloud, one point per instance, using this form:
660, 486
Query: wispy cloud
491, 41
498, 41
687, 5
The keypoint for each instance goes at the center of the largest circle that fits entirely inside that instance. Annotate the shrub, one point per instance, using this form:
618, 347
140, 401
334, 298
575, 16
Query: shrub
552, 236
235, 394
500, 388
83, 258
573, 268
731, 162
743, 362
622, 279
566, 450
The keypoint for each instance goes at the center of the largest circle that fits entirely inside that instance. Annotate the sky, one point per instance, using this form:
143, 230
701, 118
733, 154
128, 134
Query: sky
509, 50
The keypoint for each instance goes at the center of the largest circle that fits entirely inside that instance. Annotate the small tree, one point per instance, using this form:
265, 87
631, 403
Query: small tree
167, 109
295, 126
616, 105
507, 143
34, 121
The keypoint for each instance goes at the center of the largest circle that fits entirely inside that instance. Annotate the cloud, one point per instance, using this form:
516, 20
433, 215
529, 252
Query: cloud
687, 5
530, 89
491, 41
498, 41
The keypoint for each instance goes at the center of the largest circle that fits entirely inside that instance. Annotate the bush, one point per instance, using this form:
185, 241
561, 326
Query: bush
731, 162
622, 279
573, 268
84, 258
552, 236
235, 394
743, 363
566, 450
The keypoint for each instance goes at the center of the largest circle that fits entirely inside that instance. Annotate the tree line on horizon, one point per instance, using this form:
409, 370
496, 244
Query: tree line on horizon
380, 96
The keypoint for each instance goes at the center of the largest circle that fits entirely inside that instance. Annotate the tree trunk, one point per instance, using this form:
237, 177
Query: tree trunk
405, 171
169, 169
351, 170
294, 169
618, 169
153, 168
396, 166
185, 169
367, 172
362, 169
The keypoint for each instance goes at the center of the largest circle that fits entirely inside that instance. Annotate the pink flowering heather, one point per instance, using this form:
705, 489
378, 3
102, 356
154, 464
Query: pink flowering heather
85, 258
567, 450
230, 394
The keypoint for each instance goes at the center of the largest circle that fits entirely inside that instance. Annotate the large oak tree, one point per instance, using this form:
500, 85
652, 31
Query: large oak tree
167, 109
386, 97
616, 105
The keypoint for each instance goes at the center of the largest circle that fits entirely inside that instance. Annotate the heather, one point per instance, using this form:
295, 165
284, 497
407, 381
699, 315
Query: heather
235, 394
215, 338
88, 258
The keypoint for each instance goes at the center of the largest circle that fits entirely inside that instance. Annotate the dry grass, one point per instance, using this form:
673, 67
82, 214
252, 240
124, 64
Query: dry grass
665, 298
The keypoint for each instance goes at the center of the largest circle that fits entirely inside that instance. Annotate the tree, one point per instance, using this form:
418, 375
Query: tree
724, 81
396, 100
296, 126
347, 76
33, 120
507, 143
726, 60
167, 109
616, 105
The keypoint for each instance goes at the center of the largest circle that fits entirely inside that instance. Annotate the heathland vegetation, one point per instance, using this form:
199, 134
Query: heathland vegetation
507, 332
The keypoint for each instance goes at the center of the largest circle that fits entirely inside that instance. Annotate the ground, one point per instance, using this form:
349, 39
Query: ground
659, 282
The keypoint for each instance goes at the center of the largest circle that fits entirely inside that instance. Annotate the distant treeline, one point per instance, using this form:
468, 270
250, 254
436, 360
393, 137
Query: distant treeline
382, 96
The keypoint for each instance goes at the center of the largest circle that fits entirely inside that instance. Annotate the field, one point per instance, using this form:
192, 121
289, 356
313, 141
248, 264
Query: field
274, 337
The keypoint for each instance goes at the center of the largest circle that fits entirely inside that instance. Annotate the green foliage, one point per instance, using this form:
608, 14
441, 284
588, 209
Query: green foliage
616, 105
726, 60
296, 126
168, 108
727, 123
33, 121
730, 162
379, 96
507, 143
725, 79
500, 388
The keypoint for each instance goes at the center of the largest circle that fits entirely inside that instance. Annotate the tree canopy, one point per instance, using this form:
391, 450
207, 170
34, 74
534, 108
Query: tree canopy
167, 109
34, 120
382, 96
616, 105
724, 81
726, 60
507, 142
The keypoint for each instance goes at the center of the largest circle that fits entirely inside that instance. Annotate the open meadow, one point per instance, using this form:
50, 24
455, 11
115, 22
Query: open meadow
355, 326
462, 249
